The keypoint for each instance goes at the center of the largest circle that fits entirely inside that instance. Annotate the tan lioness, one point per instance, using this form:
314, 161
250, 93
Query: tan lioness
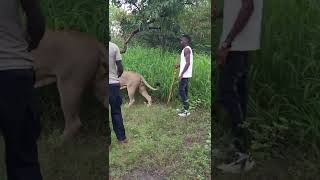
75, 61
133, 81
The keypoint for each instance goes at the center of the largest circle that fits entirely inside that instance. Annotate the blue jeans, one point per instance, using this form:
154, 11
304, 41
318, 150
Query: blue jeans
115, 101
183, 92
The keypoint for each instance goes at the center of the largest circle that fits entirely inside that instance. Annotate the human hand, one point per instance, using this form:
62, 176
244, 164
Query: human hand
222, 54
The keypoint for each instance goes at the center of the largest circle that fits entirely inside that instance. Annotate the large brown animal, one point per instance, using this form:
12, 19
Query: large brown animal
75, 61
133, 81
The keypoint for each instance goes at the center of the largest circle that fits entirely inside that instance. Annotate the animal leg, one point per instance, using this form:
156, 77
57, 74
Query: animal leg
131, 92
70, 95
144, 93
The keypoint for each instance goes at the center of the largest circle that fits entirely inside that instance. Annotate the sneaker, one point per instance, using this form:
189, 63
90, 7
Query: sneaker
185, 113
241, 163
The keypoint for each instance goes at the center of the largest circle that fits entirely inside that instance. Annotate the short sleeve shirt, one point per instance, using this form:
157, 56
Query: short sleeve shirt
114, 55
13, 44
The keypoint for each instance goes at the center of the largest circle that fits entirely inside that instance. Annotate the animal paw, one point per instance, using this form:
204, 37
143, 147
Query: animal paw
71, 131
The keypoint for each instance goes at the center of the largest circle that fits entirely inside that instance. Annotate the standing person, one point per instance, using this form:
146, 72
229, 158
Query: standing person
115, 99
241, 34
19, 119
186, 62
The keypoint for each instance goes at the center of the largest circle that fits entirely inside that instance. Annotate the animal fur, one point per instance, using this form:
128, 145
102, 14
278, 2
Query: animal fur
134, 81
75, 61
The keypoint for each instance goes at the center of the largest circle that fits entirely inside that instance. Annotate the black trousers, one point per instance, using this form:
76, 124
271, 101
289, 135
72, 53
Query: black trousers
115, 101
232, 92
183, 92
20, 124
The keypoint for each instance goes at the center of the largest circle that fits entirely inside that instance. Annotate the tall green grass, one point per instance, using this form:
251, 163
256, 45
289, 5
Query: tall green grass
285, 101
157, 67
85, 15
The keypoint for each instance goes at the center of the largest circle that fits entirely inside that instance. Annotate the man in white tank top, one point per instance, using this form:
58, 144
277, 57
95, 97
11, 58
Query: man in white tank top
240, 35
185, 73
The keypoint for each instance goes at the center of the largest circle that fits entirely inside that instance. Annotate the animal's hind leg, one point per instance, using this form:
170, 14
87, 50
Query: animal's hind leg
144, 93
131, 92
70, 95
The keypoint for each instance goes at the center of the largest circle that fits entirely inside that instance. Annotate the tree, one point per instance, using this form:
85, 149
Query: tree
195, 20
146, 15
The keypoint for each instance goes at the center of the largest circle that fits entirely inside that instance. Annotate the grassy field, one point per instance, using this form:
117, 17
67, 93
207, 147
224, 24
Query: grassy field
157, 67
162, 145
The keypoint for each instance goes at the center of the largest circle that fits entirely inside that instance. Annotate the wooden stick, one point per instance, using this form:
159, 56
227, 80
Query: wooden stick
174, 79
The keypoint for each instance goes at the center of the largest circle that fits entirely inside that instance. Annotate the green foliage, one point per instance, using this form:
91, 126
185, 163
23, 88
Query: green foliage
143, 13
157, 67
86, 16
286, 90
161, 22
195, 20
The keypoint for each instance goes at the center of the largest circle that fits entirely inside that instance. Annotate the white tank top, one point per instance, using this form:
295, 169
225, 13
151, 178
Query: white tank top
188, 73
249, 38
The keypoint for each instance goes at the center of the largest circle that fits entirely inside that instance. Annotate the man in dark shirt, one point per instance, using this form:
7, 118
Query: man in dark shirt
19, 120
